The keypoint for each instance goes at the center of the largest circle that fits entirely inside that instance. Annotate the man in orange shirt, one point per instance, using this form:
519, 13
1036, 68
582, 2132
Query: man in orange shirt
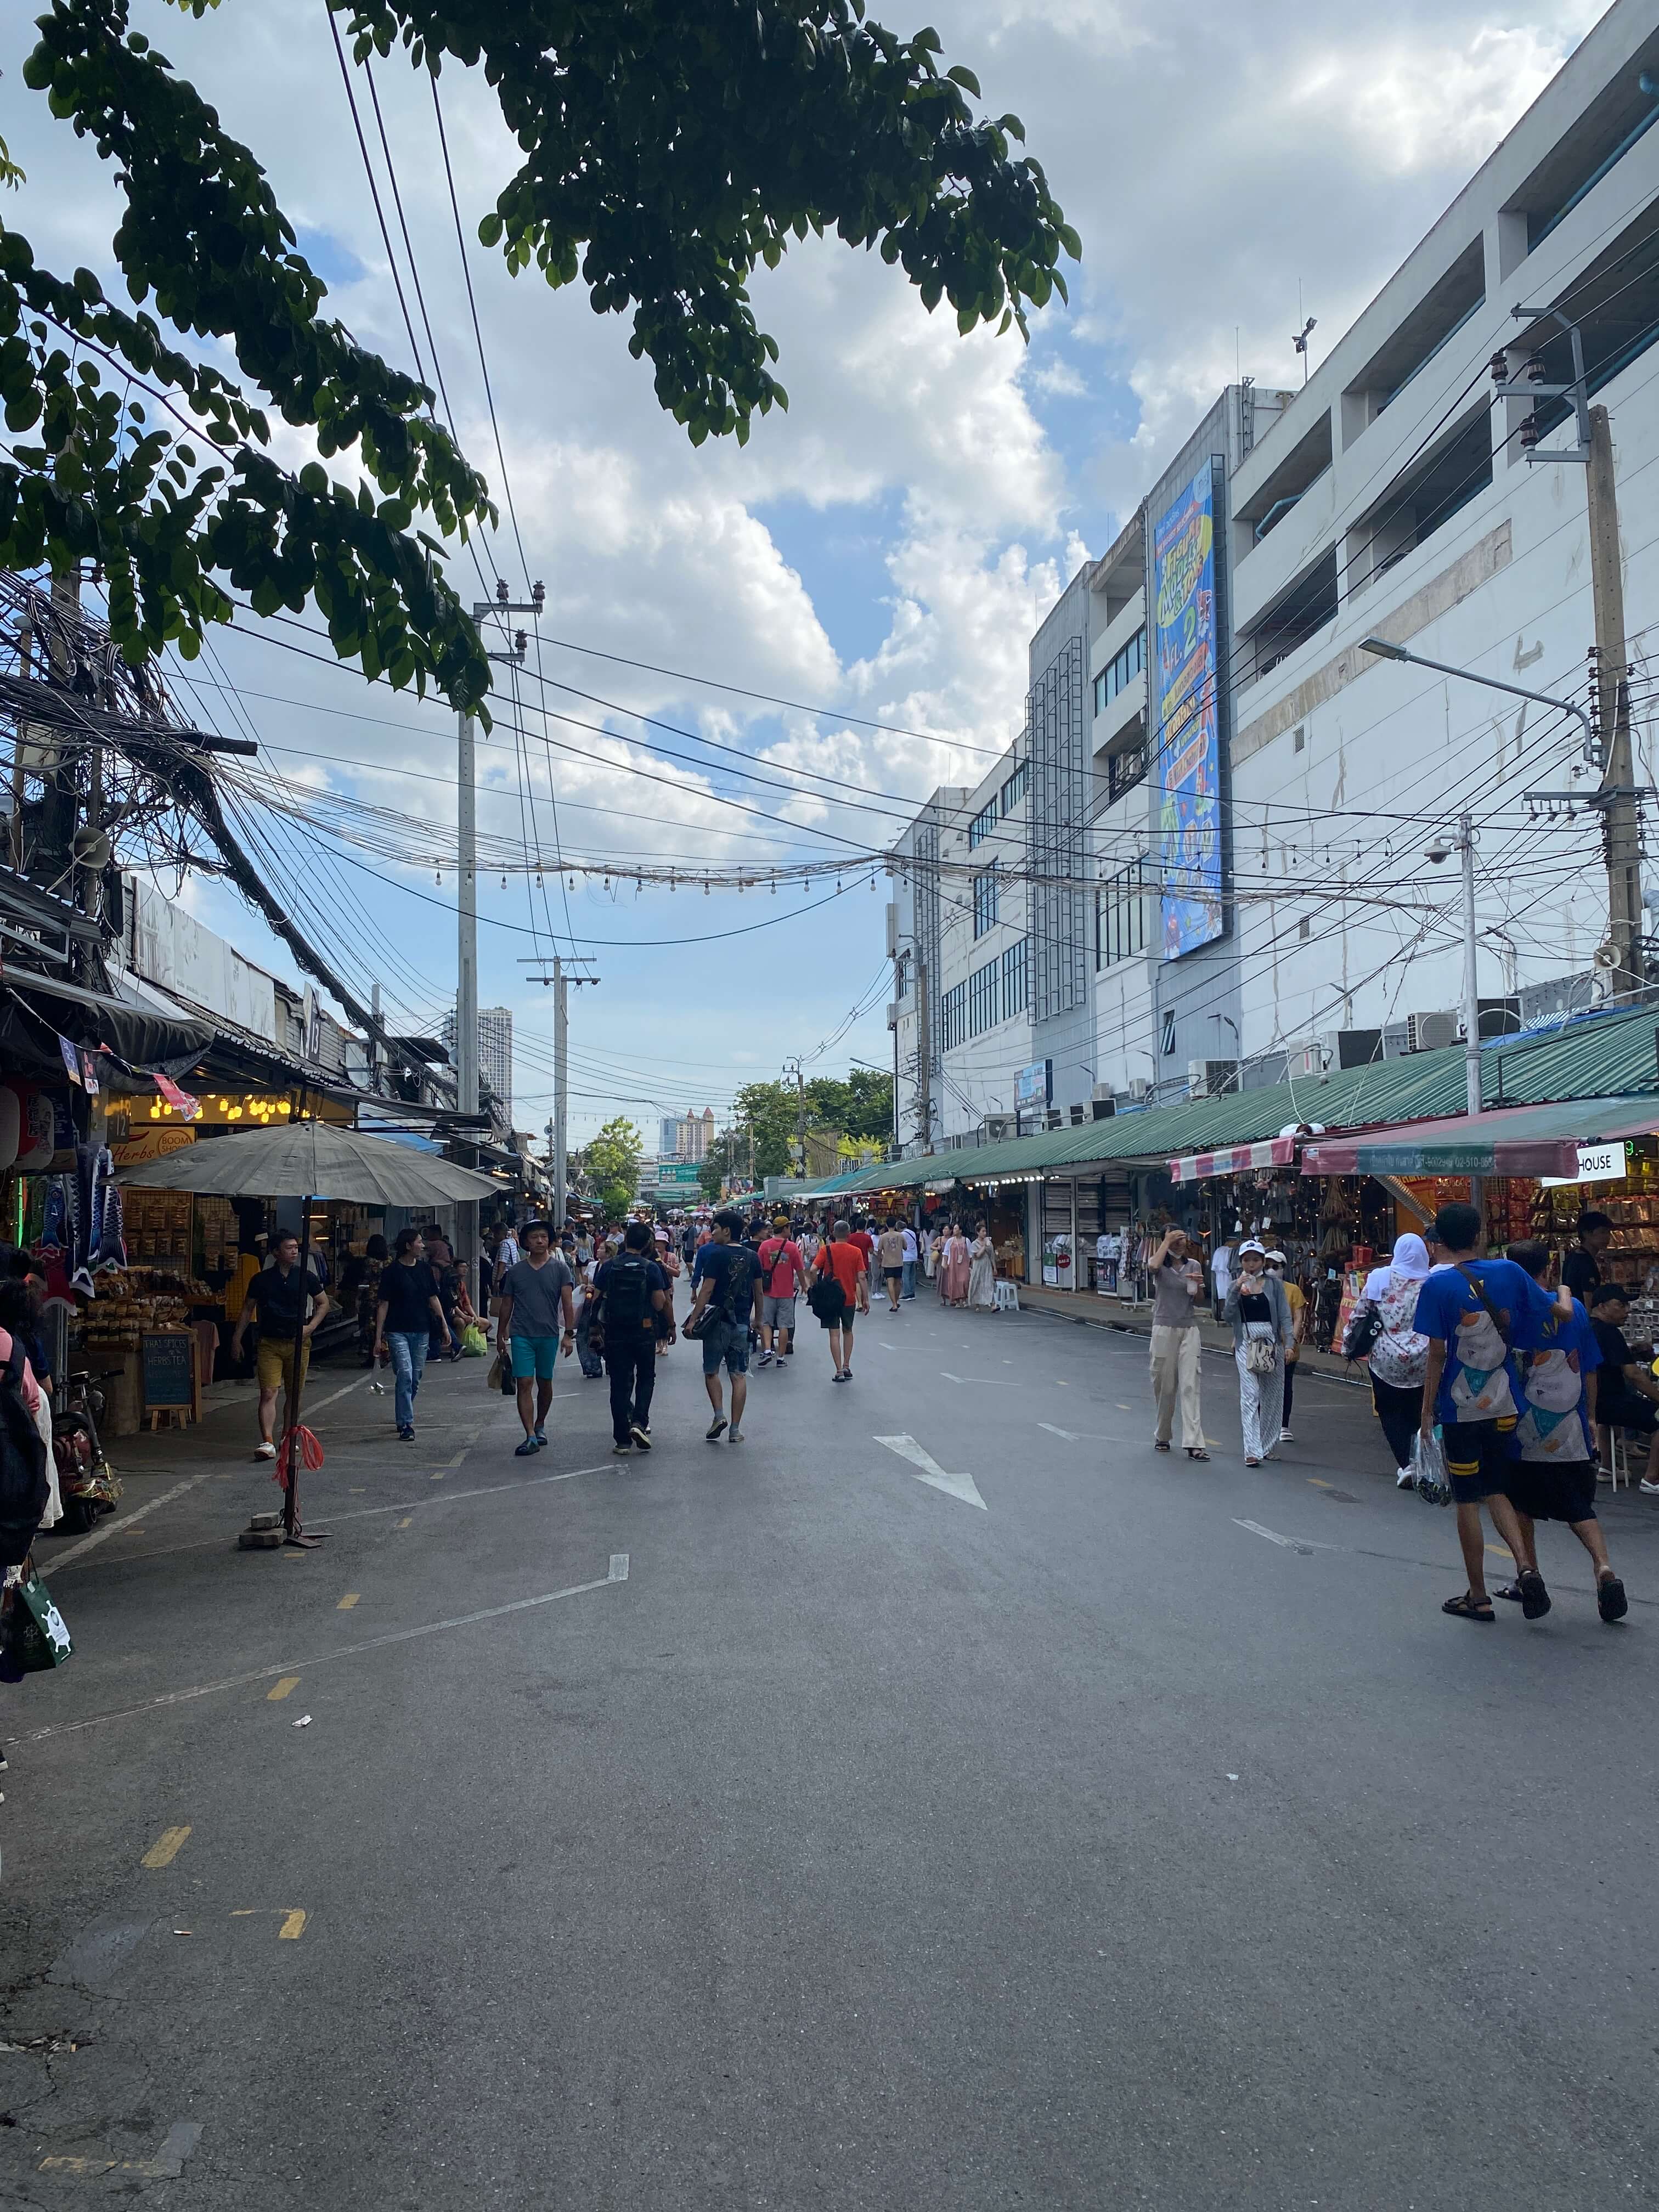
843, 1262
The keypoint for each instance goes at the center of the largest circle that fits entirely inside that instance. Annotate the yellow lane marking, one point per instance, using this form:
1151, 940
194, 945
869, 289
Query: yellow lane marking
403, 1523
293, 1927
165, 1848
292, 1552
440, 1475
457, 1459
1318, 1485
1500, 1552
357, 1488
278, 1690
347, 1602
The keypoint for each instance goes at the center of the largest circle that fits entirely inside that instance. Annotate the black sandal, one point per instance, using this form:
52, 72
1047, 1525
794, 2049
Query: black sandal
1466, 1607
1195, 1451
1511, 1591
1610, 1599
1160, 1444
1535, 1598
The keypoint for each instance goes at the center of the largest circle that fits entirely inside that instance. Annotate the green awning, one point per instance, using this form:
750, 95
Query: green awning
1516, 1140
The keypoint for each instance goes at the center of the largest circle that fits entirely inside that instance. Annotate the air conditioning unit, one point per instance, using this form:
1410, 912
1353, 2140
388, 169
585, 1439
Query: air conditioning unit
1051, 1119
1140, 1088
998, 1128
1101, 1090
1211, 1079
1078, 1116
1356, 1047
1103, 1109
1433, 1032
1396, 1040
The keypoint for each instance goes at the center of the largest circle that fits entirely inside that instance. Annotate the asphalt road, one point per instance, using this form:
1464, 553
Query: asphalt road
769, 1826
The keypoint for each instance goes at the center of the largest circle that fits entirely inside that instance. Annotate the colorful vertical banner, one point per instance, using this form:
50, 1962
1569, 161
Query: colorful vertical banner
1186, 732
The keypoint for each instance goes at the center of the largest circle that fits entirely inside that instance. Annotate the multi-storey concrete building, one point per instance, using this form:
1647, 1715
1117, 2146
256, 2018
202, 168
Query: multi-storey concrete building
1232, 804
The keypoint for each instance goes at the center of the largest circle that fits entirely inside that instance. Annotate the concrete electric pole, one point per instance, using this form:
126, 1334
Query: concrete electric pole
466, 907
1620, 814
559, 982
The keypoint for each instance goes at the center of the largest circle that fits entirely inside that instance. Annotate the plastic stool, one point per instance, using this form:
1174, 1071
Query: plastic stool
1007, 1296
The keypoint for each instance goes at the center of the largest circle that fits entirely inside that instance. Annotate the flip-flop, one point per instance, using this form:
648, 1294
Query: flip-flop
1535, 1598
1610, 1599
1511, 1591
1465, 1607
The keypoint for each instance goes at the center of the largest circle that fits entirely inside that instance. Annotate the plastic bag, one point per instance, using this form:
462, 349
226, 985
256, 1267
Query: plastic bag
1430, 1478
474, 1342
33, 1636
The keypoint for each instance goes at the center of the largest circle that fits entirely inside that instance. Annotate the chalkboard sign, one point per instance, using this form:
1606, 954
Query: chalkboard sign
167, 1372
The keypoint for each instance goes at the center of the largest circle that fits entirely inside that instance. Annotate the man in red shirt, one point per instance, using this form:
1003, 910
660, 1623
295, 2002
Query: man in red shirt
843, 1262
866, 1245
781, 1267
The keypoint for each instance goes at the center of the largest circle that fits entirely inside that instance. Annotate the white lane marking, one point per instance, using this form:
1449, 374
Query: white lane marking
139, 1513
357, 1513
1070, 1435
991, 1382
885, 1344
1305, 1545
928, 1470
342, 1651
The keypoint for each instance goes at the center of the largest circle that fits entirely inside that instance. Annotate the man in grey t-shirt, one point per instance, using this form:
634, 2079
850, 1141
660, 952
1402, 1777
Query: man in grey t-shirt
1177, 1279
536, 1296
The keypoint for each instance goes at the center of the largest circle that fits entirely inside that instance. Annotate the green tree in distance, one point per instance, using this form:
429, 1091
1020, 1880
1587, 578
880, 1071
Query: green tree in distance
610, 1162
670, 147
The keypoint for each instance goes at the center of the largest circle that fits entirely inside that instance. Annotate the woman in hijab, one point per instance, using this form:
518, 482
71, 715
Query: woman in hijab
1398, 1359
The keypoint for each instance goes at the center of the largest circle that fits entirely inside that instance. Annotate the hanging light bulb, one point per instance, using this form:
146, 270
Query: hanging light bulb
774, 886
438, 876
503, 883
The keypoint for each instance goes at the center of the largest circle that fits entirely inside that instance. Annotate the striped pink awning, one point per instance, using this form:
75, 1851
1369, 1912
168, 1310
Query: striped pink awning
1238, 1159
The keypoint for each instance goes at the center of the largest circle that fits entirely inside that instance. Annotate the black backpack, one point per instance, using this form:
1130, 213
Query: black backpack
24, 1488
627, 1306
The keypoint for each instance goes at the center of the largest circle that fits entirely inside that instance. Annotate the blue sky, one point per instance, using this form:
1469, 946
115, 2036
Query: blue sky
881, 552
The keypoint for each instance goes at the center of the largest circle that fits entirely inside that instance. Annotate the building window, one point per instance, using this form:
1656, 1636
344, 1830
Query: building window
982, 824
1014, 790
954, 1010
1121, 917
984, 998
1120, 672
1124, 771
985, 901
1015, 983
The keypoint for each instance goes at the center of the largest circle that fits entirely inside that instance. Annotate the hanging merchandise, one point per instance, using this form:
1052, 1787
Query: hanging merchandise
71, 1059
180, 1101
89, 1075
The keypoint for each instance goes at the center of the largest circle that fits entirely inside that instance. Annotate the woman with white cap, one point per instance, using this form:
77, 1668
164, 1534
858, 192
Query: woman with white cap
1399, 1357
1262, 1332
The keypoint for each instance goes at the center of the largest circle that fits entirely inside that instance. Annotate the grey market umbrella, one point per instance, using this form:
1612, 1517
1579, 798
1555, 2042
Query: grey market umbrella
312, 1159
307, 1160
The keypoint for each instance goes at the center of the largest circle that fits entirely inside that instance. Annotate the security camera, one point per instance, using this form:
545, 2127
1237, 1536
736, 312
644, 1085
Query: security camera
1439, 852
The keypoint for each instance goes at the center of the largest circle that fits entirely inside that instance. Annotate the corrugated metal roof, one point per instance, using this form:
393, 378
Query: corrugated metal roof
1595, 1057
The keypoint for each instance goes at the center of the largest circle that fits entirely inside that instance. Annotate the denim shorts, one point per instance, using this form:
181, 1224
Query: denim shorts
727, 1340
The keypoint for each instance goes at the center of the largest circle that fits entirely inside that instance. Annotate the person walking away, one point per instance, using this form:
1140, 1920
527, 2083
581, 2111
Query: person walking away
1556, 1479
890, 1252
908, 1262
1626, 1395
953, 1267
630, 1292
538, 1294
1261, 1316
1398, 1359
1580, 1271
981, 1271
841, 1262
668, 1260
782, 1264
1177, 1281
724, 1282
273, 1302
408, 1313
1296, 1298
1477, 1314
1221, 1271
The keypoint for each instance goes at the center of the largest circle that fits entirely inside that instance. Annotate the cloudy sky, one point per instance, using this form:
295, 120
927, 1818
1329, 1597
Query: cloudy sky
880, 552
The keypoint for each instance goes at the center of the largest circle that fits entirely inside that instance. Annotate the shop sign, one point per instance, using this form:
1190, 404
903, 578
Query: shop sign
1597, 1164
152, 1144
1032, 1084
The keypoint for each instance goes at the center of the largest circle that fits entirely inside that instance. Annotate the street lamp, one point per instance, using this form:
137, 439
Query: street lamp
1385, 651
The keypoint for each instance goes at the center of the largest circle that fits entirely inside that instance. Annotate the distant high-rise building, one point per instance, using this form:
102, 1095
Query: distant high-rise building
668, 1142
494, 1050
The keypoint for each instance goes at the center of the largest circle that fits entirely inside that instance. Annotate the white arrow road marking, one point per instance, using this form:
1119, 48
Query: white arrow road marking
991, 1382
929, 1470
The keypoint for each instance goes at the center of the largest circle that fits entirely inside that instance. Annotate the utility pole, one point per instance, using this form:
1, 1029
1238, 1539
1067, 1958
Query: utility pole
558, 1129
1471, 988
1623, 829
924, 1059
466, 904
